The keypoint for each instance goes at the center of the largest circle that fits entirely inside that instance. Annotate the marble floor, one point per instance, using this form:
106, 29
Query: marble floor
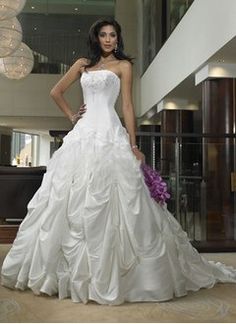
207, 305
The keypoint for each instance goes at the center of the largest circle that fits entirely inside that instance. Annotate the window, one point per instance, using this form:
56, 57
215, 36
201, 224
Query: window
24, 149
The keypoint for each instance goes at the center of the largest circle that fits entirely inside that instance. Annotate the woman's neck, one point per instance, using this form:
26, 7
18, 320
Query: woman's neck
107, 57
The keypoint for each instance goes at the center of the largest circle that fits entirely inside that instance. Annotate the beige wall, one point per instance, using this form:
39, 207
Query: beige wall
30, 96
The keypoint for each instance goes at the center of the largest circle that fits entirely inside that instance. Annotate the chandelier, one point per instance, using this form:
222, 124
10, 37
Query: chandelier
10, 8
16, 58
19, 64
10, 36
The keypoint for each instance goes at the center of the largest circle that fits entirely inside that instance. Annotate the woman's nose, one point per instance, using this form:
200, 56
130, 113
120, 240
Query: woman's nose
107, 39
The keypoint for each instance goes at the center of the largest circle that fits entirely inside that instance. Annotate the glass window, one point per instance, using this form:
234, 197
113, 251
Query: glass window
160, 17
57, 31
175, 12
24, 149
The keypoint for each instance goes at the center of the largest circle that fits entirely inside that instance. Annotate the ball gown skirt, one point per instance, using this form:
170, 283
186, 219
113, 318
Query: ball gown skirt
92, 231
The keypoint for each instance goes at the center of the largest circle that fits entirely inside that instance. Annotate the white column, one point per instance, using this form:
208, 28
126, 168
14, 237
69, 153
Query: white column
44, 149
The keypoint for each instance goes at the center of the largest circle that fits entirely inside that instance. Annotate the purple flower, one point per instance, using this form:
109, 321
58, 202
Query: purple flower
157, 187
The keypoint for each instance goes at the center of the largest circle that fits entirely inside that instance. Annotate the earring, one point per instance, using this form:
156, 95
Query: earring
116, 48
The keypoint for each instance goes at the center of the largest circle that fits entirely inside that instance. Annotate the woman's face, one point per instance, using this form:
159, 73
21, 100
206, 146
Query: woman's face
107, 37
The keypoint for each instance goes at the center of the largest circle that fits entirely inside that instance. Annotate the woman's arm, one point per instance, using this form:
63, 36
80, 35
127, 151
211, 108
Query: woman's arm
64, 83
127, 106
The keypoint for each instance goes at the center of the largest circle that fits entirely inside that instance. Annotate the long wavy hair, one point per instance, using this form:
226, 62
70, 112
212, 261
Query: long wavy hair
94, 48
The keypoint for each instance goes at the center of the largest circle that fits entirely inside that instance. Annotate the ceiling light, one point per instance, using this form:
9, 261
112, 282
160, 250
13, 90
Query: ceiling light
10, 36
10, 9
19, 64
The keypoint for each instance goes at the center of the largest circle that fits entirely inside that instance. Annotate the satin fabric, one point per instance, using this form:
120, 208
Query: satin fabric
92, 231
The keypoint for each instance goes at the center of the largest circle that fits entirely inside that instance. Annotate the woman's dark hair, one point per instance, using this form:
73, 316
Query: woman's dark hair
94, 49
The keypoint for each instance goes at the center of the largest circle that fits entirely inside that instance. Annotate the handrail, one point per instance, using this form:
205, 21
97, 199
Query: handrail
196, 135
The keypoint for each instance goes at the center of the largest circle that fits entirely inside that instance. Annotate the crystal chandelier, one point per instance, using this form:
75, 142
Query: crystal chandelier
10, 36
10, 8
19, 64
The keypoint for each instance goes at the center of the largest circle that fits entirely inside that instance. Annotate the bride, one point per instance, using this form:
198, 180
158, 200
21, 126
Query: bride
92, 231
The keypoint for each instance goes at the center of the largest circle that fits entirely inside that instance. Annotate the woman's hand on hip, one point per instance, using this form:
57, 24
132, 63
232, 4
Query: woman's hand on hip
74, 118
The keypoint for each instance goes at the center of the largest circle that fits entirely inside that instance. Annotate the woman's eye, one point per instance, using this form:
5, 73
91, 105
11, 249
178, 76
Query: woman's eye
103, 35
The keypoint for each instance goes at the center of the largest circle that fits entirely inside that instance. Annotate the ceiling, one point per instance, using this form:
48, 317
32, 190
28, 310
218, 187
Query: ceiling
226, 54
187, 88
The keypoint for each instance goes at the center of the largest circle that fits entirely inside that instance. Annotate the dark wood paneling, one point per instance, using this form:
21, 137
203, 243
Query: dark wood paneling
218, 113
8, 233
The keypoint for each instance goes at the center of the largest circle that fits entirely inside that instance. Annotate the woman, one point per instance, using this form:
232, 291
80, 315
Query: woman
92, 231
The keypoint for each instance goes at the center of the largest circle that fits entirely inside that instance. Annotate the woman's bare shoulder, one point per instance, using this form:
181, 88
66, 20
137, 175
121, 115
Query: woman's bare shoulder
125, 65
125, 68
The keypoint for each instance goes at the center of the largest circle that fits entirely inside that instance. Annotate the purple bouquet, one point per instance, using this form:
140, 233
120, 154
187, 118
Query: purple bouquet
155, 184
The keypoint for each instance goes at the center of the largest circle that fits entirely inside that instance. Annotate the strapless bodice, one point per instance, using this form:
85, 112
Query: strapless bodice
100, 84
100, 92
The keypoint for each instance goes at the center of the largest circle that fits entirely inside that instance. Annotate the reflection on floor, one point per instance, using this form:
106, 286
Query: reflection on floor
207, 305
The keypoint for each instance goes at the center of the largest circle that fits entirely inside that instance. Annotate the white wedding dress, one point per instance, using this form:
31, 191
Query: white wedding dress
92, 231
